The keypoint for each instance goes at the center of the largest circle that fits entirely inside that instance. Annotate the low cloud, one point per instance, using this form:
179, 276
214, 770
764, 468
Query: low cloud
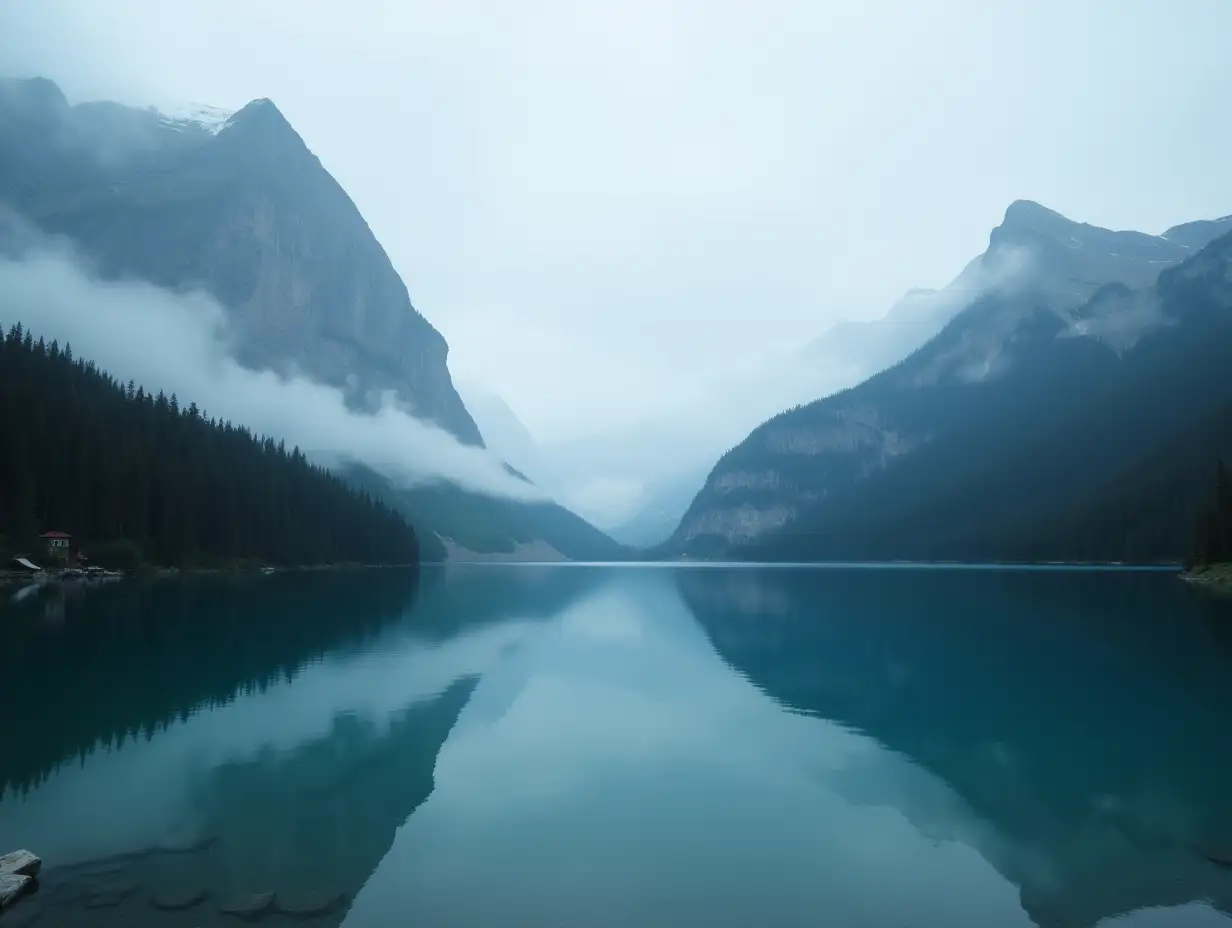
604, 500
1118, 317
980, 352
609, 475
176, 343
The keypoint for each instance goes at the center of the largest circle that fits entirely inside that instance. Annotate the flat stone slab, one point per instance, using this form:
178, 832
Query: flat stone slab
12, 885
177, 900
22, 863
253, 905
310, 905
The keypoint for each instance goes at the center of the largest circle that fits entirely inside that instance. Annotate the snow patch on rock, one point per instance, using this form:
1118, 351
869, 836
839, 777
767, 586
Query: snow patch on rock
186, 117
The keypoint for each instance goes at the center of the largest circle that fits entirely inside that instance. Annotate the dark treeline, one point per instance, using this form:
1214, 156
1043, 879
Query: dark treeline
1149, 511
1213, 544
134, 476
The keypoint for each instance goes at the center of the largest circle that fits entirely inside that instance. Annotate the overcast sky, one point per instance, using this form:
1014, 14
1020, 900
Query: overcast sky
607, 207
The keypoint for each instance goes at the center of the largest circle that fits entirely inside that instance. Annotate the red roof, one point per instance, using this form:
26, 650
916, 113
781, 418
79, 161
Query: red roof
55, 535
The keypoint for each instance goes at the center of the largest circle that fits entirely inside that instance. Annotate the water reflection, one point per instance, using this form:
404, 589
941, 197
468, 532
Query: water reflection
126, 660
1078, 717
616, 771
280, 728
603, 747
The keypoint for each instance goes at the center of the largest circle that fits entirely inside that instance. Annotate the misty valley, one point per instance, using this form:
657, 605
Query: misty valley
756, 550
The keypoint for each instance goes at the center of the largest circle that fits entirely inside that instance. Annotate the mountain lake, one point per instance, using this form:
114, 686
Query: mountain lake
602, 746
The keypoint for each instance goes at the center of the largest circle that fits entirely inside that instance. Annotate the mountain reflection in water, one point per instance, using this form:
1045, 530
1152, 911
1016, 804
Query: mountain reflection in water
523, 745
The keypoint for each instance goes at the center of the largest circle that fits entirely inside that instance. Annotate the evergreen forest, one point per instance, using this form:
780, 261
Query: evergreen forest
138, 478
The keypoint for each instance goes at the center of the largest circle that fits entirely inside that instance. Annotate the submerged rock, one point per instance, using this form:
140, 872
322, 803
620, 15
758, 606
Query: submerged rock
94, 890
92, 871
310, 905
177, 900
186, 847
1220, 858
110, 897
251, 906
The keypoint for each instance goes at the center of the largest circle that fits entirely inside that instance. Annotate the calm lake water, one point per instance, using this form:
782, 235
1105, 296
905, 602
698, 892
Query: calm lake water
566, 747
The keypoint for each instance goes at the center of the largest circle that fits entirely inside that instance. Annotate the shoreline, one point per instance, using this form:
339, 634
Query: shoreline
57, 576
1216, 578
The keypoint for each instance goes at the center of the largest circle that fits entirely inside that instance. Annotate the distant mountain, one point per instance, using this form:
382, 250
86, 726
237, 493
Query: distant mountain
1069, 257
875, 344
237, 205
843, 356
1031, 398
1197, 235
456, 525
851, 351
504, 433
660, 510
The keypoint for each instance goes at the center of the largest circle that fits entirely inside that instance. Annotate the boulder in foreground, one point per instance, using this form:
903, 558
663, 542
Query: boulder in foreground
21, 863
12, 885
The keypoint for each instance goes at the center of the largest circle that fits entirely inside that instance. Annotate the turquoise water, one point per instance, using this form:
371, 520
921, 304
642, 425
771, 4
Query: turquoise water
620, 746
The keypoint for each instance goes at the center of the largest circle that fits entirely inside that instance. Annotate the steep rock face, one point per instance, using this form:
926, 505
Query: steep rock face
241, 208
236, 204
852, 475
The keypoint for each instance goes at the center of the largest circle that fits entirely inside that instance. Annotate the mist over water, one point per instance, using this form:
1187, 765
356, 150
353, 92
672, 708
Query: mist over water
615, 746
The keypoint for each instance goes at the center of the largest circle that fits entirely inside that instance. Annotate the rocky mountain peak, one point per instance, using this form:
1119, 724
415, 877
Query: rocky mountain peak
1069, 260
1027, 215
262, 113
260, 128
1029, 223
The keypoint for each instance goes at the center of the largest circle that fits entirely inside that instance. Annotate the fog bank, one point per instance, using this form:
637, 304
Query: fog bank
176, 343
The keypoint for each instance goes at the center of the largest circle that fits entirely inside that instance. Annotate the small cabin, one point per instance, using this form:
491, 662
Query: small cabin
57, 544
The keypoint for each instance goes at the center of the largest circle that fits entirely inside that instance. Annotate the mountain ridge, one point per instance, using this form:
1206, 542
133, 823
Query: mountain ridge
249, 214
239, 206
805, 473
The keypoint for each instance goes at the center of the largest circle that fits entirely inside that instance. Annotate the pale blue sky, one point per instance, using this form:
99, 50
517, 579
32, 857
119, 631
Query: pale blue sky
608, 206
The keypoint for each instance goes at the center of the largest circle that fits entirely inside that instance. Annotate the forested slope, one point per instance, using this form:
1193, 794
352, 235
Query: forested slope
1156, 509
133, 477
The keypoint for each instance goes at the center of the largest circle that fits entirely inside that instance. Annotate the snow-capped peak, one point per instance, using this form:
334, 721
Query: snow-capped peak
184, 116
